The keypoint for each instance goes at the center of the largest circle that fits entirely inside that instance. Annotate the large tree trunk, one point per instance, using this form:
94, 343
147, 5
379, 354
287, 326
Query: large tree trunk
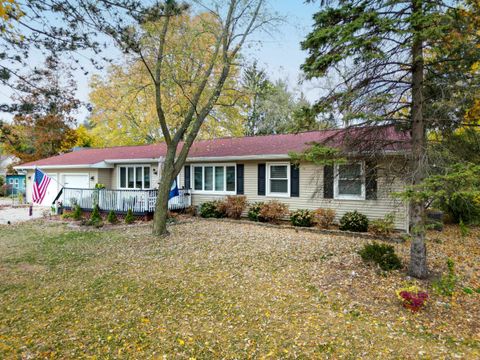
418, 250
161, 207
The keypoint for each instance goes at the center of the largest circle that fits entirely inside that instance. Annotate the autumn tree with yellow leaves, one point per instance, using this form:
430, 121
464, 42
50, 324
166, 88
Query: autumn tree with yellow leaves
123, 101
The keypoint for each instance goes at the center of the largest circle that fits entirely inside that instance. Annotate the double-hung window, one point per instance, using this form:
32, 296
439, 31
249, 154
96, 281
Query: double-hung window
278, 179
134, 177
350, 181
214, 178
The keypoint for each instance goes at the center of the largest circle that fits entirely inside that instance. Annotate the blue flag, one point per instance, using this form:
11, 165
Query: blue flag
173, 190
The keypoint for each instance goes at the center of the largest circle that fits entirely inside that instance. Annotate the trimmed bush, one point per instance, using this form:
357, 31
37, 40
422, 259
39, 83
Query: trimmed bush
324, 218
112, 217
129, 218
383, 227
381, 254
77, 213
254, 211
95, 218
303, 218
95, 215
354, 221
212, 209
273, 211
235, 205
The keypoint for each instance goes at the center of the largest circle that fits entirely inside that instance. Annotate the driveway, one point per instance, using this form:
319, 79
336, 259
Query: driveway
18, 214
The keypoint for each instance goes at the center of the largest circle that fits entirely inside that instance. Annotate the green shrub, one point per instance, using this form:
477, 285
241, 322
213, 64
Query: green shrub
324, 217
95, 215
273, 211
446, 284
254, 211
129, 218
112, 217
77, 213
383, 227
354, 221
212, 209
235, 205
303, 218
95, 218
67, 216
381, 254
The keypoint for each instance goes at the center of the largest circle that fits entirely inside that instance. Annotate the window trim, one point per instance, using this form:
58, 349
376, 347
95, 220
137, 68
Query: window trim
134, 166
212, 192
336, 180
267, 176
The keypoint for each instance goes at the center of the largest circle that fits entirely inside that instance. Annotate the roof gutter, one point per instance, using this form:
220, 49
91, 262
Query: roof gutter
233, 158
131, 161
99, 165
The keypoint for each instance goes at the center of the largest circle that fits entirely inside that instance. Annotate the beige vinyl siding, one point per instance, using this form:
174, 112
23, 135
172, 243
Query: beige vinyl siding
105, 177
311, 194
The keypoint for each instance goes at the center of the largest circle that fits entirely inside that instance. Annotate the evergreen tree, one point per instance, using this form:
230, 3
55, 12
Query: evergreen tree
129, 218
112, 217
256, 85
388, 47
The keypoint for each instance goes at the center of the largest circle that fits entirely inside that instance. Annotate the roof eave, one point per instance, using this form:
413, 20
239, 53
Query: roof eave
99, 165
131, 161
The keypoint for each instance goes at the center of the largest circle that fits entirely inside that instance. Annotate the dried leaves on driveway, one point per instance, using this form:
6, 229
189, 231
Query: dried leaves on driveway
224, 290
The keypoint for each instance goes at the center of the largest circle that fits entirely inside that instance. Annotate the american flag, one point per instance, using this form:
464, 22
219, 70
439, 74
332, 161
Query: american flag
40, 186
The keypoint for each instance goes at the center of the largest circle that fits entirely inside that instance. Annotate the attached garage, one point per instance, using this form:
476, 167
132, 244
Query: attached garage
76, 181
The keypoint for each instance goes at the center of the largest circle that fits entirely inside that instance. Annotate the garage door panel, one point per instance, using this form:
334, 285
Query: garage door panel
76, 181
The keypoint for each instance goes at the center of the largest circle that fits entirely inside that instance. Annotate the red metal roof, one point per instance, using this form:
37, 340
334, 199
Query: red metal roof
390, 138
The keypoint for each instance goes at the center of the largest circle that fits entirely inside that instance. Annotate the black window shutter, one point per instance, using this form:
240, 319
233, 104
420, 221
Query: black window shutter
240, 187
294, 180
328, 181
261, 179
370, 180
187, 177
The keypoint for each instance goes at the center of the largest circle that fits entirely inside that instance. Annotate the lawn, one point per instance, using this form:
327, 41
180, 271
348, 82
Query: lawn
223, 290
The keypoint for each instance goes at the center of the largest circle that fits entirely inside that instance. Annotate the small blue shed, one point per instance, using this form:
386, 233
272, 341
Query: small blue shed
16, 184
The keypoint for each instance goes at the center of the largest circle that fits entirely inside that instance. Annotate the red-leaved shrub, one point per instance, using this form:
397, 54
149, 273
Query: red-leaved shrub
235, 205
273, 211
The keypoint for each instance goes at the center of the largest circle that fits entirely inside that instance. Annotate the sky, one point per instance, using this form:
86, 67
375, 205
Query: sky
278, 53
281, 54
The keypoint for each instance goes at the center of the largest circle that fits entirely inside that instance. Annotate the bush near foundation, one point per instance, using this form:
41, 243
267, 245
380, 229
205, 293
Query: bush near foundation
302, 218
354, 221
273, 211
324, 218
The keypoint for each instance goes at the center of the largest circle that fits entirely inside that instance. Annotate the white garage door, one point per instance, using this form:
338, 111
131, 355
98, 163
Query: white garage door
76, 181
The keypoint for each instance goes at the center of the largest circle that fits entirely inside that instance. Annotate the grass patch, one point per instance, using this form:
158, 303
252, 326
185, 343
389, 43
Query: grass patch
216, 290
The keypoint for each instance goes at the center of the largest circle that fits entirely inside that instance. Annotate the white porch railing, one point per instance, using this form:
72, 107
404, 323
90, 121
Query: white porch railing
139, 201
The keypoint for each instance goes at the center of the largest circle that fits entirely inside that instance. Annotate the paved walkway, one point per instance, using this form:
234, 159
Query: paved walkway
18, 214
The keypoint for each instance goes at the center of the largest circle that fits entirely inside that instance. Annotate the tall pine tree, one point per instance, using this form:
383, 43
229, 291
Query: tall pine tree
386, 49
